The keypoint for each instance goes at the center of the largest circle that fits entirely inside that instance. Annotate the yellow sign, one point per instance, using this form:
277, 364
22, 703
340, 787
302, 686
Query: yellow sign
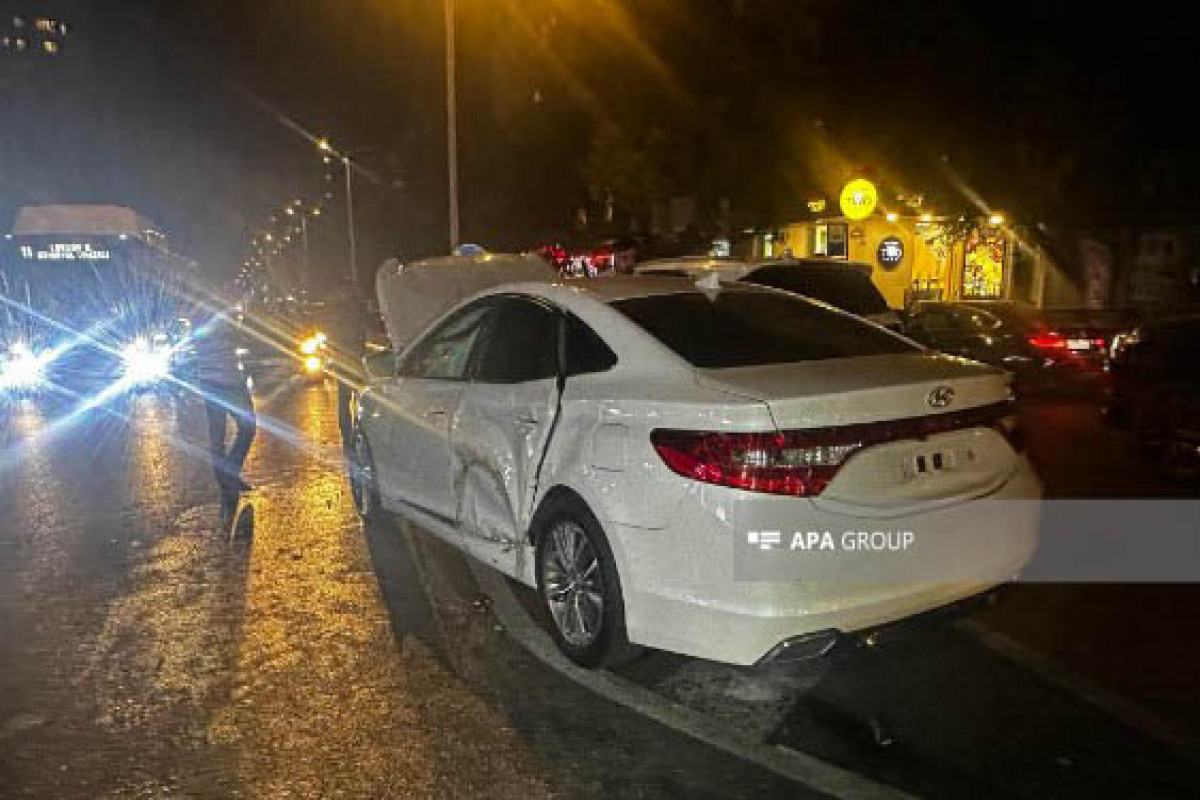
858, 198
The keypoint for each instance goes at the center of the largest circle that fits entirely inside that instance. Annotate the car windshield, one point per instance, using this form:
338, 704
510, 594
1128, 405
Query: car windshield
847, 289
744, 328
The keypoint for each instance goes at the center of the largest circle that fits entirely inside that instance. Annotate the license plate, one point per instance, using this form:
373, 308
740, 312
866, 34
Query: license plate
1079, 344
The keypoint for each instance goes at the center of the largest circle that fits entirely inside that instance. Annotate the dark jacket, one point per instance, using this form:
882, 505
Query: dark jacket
215, 360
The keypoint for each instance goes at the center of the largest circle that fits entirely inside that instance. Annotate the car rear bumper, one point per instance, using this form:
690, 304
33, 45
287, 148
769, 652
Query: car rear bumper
682, 591
820, 643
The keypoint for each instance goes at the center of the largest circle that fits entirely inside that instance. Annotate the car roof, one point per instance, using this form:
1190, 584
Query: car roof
623, 287
814, 264
609, 290
591, 299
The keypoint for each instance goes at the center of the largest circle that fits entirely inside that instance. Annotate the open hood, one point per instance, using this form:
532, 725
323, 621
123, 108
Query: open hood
413, 295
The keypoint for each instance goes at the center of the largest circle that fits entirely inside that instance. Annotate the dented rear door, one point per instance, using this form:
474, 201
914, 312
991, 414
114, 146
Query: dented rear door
505, 420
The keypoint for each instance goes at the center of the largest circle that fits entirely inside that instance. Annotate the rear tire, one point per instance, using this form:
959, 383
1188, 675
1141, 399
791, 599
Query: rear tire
364, 480
580, 589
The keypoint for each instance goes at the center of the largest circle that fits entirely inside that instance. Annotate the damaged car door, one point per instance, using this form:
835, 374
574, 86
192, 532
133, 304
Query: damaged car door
505, 421
422, 403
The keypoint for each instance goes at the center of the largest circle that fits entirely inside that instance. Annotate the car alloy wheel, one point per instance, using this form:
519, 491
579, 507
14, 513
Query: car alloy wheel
572, 584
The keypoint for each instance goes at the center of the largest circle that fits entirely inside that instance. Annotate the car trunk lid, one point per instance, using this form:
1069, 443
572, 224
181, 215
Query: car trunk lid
926, 424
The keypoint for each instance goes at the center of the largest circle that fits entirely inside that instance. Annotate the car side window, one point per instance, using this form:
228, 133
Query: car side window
522, 344
445, 352
586, 351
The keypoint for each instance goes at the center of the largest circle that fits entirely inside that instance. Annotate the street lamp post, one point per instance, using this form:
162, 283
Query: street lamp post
304, 236
451, 126
350, 222
324, 145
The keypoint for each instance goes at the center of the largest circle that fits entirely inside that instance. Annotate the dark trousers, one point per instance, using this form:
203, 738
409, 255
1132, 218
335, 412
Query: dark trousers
220, 404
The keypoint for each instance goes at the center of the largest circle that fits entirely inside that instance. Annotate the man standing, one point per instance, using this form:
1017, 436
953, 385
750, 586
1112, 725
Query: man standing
223, 387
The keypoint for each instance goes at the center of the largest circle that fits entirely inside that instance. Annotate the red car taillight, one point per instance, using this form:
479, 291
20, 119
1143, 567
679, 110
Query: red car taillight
775, 463
1050, 341
802, 463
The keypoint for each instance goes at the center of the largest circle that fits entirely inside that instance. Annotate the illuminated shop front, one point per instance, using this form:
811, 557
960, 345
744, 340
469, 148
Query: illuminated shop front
914, 253
984, 269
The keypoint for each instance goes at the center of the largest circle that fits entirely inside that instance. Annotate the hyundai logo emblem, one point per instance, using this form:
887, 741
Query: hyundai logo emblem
941, 397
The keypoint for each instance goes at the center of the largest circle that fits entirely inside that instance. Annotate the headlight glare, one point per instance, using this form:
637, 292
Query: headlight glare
21, 369
144, 363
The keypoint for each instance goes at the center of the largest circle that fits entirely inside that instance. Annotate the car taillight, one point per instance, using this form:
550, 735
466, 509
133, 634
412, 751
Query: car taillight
802, 463
1048, 341
775, 463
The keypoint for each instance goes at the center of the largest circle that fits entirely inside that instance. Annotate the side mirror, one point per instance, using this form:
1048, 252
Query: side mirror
380, 365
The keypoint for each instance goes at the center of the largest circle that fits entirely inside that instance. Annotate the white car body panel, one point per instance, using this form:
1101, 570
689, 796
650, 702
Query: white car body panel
672, 538
497, 442
422, 439
867, 389
699, 608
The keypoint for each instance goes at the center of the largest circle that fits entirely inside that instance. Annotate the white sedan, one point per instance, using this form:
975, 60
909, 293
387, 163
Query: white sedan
614, 443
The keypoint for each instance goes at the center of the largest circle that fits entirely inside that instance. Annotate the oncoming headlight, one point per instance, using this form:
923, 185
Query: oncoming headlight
144, 363
312, 344
21, 369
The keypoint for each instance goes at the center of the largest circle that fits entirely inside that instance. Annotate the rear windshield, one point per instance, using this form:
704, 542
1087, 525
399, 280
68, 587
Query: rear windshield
743, 329
847, 289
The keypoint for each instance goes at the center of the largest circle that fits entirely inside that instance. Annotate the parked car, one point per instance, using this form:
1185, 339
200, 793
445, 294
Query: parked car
1156, 392
844, 284
1041, 353
608, 442
1089, 333
575, 259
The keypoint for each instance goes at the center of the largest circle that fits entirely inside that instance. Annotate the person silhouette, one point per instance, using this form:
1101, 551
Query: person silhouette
226, 396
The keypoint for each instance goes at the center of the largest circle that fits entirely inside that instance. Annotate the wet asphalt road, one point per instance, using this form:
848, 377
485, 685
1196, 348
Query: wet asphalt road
143, 654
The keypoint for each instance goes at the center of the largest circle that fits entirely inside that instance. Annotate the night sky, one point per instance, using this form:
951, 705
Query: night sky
1073, 115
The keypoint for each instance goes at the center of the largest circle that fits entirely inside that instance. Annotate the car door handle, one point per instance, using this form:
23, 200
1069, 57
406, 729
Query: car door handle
436, 412
524, 420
